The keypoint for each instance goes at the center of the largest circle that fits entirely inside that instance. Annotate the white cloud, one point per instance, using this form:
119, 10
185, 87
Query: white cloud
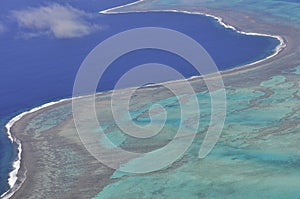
55, 19
2, 28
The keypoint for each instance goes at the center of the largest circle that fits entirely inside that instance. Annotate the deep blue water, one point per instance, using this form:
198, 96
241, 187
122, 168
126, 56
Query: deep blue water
293, 1
42, 69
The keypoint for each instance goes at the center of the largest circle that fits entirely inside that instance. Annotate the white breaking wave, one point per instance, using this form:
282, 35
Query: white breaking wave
220, 20
13, 175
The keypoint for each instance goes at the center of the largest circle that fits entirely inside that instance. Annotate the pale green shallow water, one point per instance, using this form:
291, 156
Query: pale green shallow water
285, 10
257, 155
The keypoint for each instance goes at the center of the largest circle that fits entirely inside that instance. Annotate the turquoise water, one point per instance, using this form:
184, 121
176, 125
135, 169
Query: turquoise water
34, 71
33, 64
257, 155
275, 11
297, 70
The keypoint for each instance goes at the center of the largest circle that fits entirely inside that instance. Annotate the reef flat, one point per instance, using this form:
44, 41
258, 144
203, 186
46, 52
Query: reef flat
256, 156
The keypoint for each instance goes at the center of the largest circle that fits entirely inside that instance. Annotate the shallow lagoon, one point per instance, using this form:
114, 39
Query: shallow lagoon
40, 64
245, 130
256, 156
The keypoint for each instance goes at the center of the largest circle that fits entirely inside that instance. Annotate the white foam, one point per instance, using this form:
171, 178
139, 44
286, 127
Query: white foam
110, 9
220, 20
13, 175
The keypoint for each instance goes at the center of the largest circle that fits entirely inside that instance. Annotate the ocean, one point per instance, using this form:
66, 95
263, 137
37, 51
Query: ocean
41, 69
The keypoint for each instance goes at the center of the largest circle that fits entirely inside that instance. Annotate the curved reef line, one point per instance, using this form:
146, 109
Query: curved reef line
121, 6
220, 20
13, 175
